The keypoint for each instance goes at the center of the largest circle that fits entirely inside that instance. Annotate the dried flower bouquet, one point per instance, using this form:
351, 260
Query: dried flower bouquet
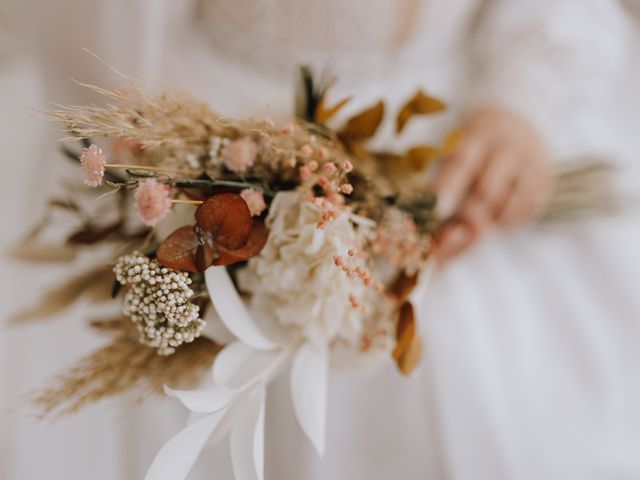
251, 247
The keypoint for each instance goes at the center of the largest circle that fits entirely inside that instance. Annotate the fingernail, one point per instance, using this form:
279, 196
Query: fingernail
459, 235
445, 206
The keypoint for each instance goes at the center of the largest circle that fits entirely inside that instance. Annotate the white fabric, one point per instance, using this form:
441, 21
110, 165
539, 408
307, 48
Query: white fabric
531, 364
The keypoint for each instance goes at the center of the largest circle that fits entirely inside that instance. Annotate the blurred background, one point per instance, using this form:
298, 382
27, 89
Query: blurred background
531, 364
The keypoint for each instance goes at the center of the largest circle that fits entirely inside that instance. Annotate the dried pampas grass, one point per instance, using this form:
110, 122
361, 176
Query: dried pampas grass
584, 187
122, 365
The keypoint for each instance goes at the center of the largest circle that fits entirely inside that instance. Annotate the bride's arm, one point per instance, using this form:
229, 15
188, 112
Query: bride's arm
539, 69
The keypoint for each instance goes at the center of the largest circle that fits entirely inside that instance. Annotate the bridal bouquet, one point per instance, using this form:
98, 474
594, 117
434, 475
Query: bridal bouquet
240, 250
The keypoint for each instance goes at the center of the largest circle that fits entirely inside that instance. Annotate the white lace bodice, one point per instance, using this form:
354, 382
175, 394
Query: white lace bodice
273, 35
517, 53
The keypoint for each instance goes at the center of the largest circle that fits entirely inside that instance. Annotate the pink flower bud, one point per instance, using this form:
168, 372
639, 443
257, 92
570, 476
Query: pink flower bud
346, 188
330, 168
255, 201
240, 154
92, 162
152, 201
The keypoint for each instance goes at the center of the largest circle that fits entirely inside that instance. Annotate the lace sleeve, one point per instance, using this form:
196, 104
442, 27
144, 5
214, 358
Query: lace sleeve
552, 60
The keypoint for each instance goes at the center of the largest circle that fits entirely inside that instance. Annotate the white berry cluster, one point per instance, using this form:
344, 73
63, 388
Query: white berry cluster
158, 302
216, 145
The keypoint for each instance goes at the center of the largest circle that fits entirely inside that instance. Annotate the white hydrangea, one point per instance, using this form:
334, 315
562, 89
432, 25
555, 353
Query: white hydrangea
295, 278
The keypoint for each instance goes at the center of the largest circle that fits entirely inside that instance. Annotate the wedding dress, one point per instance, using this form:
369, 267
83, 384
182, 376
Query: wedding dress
530, 365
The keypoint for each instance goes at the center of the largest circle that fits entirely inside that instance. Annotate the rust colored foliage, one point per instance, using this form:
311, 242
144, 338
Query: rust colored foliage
224, 233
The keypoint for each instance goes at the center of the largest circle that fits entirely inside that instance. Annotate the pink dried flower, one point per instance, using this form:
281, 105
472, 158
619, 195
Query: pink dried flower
240, 154
313, 165
347, 166
92, 162
305, 173
330, 168
152, 201
255, 201
346, 188
355, 301
336, 198
307, 151
324, 183
322, 153
288, 128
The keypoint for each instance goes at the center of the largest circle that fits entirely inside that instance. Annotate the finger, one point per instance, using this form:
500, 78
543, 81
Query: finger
476, 214
528, 196
452, 241
518, 205
457, 175
495, 183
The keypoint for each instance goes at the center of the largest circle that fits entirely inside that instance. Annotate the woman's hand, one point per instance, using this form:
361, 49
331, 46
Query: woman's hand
499, 176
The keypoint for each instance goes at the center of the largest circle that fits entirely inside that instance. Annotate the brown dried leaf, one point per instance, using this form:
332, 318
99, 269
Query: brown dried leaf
451, 143
408, 349
364, 124
178, 250
420, 104
420, 156
405, 330
227, 218
225, 234
403, 286
322, 115
411, 357
258, 238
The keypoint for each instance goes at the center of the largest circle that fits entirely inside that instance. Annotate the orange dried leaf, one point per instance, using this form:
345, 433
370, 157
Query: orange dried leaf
408, 349
403, 286
322, 115
365, 124
420, 156
225, 217
451, 142
405, 330
178, 250
420, 104
411, 357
